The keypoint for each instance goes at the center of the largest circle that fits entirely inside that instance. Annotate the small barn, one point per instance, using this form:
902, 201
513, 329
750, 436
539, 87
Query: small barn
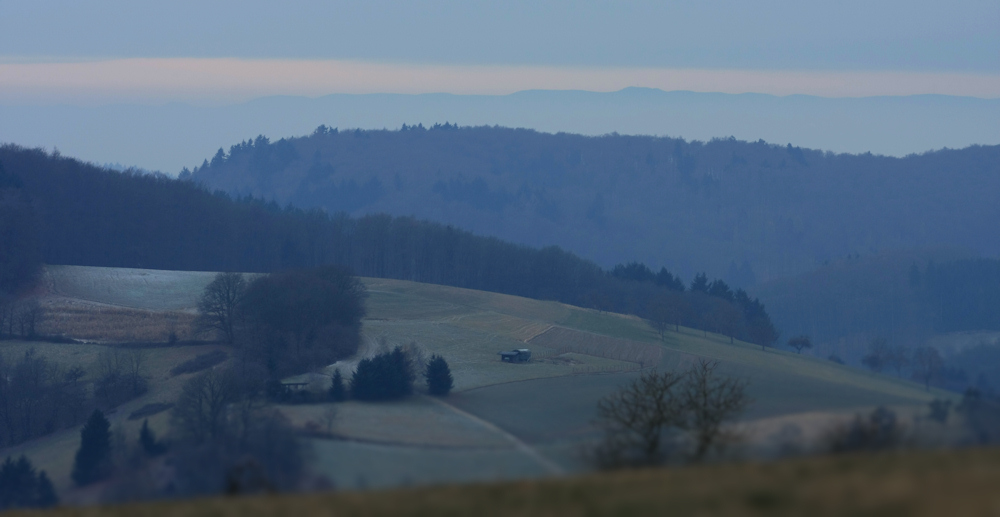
520, 355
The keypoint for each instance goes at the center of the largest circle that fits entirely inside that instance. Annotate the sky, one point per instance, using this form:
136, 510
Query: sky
101, 52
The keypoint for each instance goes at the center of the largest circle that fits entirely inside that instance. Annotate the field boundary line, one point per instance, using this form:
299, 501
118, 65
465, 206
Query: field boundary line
520, 445
539, 333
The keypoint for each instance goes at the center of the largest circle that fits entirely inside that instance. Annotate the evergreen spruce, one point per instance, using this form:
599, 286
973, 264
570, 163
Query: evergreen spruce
46, 492
439, 380
338, 393
93, 458
20, 487
148, 440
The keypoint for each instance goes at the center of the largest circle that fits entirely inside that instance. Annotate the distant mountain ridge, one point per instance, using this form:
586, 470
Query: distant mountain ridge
170, 136
744, 211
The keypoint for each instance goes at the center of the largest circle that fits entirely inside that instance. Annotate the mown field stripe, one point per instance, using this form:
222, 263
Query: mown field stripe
550, 466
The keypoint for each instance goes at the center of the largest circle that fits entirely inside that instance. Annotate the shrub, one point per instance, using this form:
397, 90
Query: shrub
879, 431
438, 375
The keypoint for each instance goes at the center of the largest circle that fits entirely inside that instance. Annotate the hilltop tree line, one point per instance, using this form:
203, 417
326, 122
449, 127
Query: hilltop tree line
739, 210
96, 217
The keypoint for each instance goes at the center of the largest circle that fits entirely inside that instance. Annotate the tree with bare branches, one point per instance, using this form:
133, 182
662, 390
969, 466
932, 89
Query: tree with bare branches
710, 401
636, 419
219, 303
799, 343
927, 365
660, 415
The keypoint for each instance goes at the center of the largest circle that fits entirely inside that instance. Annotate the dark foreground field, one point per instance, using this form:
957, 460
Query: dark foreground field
965, 482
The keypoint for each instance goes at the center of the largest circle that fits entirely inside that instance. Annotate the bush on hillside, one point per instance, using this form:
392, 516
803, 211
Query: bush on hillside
880, 430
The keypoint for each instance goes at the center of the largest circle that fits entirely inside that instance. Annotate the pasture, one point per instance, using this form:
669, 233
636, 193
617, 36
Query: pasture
501, 421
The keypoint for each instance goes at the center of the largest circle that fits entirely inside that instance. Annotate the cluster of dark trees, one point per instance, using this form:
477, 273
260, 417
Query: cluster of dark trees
19, 316
22, 487
38, 397
287, 322
383, 377
225, 440
391, 375
20, 255
712, 306
92, 216
924, 364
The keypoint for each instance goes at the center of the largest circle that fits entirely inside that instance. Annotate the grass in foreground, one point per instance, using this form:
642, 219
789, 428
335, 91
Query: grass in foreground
913, 483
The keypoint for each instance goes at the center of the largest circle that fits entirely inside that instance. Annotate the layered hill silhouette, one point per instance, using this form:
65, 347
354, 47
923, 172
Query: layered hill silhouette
744, 211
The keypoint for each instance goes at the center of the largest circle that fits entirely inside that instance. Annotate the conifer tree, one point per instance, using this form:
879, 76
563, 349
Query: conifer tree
439, 380
46, 492
20, 487
92, 461
148, 440
338, 393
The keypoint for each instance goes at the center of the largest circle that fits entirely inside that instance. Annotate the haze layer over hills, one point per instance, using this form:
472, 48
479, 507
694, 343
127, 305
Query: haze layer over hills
745, 211
170, 136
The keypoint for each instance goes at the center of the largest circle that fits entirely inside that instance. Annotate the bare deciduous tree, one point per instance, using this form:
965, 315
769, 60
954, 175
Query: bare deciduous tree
659, 414
121, 375
200, 412
799, 343
878, 351
710, 401
218, 306
636, 419
927, 364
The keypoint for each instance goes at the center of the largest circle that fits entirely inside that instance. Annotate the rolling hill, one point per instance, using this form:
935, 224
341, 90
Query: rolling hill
743, 211
504, 420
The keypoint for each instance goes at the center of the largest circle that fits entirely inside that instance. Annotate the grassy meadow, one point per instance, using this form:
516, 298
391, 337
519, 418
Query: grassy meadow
893, 484
502, 421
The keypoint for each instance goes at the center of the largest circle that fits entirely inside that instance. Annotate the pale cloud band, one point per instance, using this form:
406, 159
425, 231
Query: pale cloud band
221, 80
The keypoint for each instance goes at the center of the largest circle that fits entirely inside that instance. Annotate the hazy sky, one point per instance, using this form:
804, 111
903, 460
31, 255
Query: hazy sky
107, 51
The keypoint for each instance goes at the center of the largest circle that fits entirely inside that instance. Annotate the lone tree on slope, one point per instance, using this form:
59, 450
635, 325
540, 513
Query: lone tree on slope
800, 342
219, 304
439, 380
927, 364
338, 392
92, 462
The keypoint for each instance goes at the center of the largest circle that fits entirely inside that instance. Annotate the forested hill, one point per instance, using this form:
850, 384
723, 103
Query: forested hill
68, 212
745, 211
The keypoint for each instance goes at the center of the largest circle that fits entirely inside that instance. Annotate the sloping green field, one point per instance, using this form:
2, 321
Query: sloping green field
514, 420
